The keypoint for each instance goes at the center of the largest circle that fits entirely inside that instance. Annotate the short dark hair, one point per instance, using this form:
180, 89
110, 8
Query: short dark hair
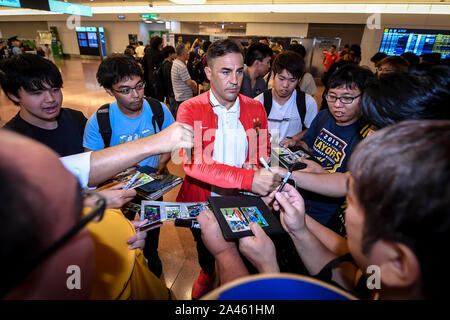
333, 46
399, 64
402, 182
155, 42
117, 68
140, 43
300, 49
419, 94
220, 48
290, 61
433, 57
167, 50
257, 51
30, 72
378, 57
411, 57
351, 76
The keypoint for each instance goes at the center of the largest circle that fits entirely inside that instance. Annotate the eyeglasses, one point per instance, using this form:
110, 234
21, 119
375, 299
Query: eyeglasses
95, 215
140, 86
344, 100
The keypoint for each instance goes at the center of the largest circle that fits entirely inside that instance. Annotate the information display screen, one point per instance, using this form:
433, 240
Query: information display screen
397, 41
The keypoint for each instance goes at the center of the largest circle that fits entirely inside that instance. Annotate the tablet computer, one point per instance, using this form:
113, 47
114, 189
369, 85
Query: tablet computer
235, 213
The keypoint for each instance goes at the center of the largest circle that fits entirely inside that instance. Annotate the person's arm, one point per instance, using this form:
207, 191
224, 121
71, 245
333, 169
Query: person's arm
314, 254
225, 252
193, 85
107, 162
327, 184
204, 168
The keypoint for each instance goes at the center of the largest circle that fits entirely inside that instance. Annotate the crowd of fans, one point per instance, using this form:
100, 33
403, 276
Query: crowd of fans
378, 193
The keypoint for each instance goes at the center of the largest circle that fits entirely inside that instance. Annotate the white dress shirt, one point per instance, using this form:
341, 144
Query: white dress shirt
230, 145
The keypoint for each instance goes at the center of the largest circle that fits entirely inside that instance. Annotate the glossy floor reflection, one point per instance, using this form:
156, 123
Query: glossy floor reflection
176, 247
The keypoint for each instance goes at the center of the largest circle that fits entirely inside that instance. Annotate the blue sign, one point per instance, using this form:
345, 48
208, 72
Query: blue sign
70, 8
10, 3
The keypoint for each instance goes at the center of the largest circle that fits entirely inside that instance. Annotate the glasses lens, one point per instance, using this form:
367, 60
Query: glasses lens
347, 100
331, 98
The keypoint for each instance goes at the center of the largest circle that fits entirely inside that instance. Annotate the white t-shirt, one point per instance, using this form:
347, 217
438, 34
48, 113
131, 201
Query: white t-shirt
285, 118
80, 166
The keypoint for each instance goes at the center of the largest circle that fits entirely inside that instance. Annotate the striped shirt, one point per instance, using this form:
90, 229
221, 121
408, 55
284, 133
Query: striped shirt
180, 75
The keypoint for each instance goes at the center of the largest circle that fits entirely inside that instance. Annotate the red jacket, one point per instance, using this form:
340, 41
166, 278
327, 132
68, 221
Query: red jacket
202, 171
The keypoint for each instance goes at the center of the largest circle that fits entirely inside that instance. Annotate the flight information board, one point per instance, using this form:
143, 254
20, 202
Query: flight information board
418, 41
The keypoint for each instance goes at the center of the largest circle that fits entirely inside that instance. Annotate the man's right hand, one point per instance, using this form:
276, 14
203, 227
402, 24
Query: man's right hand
265, 182
177, 135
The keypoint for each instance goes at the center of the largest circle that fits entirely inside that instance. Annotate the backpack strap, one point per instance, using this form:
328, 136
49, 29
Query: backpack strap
158, 113
301, 106
268, 101
104, 124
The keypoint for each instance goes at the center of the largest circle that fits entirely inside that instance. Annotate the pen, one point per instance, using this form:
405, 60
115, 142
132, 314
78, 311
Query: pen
284, 181
264, 163
132, 180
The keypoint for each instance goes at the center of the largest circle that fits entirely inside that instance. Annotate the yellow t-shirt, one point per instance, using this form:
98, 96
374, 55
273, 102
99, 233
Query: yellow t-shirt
121, 273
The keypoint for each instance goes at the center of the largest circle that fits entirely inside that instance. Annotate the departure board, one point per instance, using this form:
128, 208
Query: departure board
418, 41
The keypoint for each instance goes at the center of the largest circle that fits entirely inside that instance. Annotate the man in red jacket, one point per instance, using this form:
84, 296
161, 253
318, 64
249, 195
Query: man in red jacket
231, 135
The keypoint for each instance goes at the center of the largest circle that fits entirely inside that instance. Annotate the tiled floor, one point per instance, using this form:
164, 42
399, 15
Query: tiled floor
176, 247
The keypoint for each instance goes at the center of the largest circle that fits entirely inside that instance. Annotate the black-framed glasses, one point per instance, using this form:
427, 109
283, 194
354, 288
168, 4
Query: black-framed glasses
344, 100
95, 215
140, 86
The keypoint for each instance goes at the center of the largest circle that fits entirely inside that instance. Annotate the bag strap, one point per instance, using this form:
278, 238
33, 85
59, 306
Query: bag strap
104, 124
268, 101
301, 106
158, 113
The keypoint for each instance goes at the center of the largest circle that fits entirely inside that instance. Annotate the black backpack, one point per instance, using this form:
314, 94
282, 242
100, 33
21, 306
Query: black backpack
104, 124
199, 75
301, 104
158, 83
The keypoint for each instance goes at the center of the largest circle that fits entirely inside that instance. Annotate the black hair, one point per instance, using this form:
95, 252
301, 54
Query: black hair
167, 50
257, 51
333, 46
411, 57
206, 45
220, 48
117, 68
402, 182
155, 42
300, 49
140, 43
351, 76
30, 72
419, 94
378, 57
433, 58
290, 61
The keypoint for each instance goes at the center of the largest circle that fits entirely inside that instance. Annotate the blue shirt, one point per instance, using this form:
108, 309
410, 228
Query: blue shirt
332, 145
125, 129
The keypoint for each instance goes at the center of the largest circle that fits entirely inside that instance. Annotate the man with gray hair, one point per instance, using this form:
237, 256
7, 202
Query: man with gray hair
184, 87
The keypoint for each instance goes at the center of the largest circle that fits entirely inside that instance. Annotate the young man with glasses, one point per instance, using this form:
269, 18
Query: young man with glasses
130, 118
335, 132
